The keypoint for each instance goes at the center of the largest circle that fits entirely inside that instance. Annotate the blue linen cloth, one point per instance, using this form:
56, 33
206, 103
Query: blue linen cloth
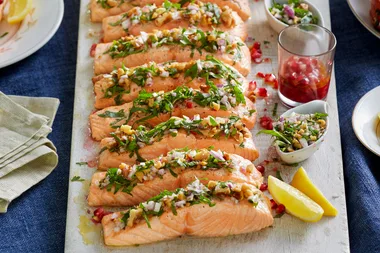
36, 221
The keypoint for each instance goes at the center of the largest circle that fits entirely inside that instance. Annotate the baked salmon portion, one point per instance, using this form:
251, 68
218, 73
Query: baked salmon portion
101, 9
154, 108
180, 45
129, 146
206, 16
221, 208
131, 184
124, 84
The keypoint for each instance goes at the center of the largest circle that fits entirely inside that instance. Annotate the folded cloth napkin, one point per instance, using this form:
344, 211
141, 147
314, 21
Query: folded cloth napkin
26, 155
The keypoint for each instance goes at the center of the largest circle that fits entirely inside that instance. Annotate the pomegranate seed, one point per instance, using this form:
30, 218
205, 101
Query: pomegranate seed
92, 50
257, 45
273, 204
260, 168
99, 213
263, 187
252, 85
262, 92
269, 78
260, 74
280, 208
266, 122
189, 104
304, 81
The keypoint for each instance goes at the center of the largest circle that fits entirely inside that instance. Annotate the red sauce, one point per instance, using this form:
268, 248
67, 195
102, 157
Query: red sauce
303, 79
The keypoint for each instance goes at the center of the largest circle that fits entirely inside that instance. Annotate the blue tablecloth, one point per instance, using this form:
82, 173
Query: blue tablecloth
36, 221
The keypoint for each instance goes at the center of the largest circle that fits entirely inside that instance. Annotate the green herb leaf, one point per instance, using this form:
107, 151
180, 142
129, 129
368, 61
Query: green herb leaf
278, 175
276, 134
3, 35
77, 179
81, 163
277, 216
274, 112
109, 114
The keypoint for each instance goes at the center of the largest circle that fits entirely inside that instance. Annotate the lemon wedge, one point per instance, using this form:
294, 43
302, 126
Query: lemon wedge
295, 202
302, 182
18, 10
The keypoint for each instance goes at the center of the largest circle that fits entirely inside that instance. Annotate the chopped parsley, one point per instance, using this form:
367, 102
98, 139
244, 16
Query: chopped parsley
142, 136
210, 70
196, 39
175, 162
195, 193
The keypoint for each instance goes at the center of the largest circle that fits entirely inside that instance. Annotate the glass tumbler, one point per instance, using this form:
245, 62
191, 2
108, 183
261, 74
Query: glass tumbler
305, 60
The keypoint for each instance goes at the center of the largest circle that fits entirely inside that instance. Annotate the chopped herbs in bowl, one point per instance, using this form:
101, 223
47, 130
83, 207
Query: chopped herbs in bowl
294, 12
299, 132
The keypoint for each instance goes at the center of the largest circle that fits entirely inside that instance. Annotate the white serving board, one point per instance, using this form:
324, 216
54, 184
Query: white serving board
288, 234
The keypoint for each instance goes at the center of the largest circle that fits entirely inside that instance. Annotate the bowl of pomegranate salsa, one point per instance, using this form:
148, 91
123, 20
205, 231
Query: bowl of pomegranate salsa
282, 13
299, 132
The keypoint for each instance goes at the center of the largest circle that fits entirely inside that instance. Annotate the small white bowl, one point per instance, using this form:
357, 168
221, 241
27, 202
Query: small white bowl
278, 25
304, 153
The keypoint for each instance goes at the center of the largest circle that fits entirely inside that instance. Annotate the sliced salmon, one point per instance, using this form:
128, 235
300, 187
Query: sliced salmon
124, 85
154, 176
172, 214
206, 16
104, 122
180, 45
104, 8
128, 146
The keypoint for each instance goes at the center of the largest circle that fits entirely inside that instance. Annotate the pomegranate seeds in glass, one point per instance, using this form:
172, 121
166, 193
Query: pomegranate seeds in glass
305, 58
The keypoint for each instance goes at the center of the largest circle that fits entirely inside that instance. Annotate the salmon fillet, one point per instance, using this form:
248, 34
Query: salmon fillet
104, 8
123, 85
154, 176
180, 45
173, 134
104, 122
171, 214
206, 16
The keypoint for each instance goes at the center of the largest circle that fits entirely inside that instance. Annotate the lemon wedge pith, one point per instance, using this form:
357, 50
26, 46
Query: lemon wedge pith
18, 10
302, 182
295, 202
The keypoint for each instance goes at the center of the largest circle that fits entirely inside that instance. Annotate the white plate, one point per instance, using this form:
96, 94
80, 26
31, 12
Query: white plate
360, 8
365, 121
33, 33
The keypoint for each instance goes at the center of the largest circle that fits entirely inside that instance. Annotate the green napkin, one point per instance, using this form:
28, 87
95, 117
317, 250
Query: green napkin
26, 155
